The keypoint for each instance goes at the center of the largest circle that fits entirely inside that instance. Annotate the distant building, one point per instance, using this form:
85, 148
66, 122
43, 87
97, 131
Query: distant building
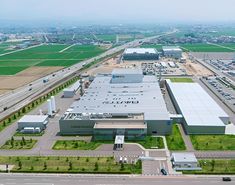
140, 54
122, 103
33, 121
172, 51
184, 161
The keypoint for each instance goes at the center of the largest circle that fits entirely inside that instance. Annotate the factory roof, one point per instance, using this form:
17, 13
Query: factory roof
196, 105
140, 51
105, 97
33, 118
184, 157
126, 71
120, 125
170, 48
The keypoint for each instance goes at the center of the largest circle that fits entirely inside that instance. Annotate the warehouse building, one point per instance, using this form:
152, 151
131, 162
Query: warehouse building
201, 114
140, 54
33, 123
172, 51
122, 103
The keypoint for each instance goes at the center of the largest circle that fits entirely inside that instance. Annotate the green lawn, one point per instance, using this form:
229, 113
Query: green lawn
215, 167
24, 134
19, 145
151, 142
55, 164
213, 142
182, 80
203, 47
77, 145
175, 140
46, 55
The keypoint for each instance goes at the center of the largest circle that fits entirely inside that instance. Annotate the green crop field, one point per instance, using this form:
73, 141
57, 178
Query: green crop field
156, 46
204, 48
46, 55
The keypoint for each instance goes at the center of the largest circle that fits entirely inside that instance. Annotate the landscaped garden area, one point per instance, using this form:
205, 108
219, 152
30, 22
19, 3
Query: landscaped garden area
175, 140
213, 142
55, 164
151, 142
19, 144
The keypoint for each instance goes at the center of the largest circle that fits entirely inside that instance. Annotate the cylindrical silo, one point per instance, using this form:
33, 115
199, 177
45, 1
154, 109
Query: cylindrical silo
53, 106
49, 107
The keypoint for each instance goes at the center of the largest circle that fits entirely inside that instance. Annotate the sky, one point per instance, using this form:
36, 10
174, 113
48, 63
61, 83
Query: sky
119, 10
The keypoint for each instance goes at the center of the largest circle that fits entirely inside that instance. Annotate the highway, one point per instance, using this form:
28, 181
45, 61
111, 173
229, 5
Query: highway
83, 179
22, 96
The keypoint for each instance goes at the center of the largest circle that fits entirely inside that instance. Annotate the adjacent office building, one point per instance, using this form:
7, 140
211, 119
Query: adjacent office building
122, 103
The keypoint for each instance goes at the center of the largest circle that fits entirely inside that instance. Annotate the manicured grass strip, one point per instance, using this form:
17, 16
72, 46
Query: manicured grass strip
18, 144
26, 134
175, 140
182, 80
220, 166
151, 142
213, 142
55, 164
77, 145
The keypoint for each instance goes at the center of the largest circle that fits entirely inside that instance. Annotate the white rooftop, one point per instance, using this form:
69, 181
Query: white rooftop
105, 97
196, 105
33, 118
170, 48
140, 51
184, 157
126, 71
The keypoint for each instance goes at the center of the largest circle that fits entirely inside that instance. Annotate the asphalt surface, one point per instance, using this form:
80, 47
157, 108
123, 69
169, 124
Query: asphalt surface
33, 179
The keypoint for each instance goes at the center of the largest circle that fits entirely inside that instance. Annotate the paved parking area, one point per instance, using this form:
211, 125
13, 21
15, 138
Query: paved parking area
154, 167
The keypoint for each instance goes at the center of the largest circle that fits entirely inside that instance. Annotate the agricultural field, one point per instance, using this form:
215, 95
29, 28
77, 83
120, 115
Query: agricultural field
112, 37
203, 47
213, 142
156, 46
5, 47
46, 55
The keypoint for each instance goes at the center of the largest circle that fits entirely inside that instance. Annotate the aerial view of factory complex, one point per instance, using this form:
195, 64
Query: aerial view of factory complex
156, 104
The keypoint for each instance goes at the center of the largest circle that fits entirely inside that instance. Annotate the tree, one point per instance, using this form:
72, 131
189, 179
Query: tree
76, 145
9, 120
14, 117
96, 166
19, 164
70, 165
23, 110
4, 123
23, 141
45, 165
31, 140
122, 167
212, 165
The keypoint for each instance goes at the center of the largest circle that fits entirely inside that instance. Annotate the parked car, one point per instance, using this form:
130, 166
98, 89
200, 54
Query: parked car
163, 171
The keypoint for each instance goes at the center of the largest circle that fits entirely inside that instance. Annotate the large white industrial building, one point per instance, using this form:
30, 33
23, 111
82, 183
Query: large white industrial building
122, 103
172, 51
140, 54
202, 115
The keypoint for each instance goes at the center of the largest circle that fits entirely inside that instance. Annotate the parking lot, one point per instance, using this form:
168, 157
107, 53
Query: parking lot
222, 90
